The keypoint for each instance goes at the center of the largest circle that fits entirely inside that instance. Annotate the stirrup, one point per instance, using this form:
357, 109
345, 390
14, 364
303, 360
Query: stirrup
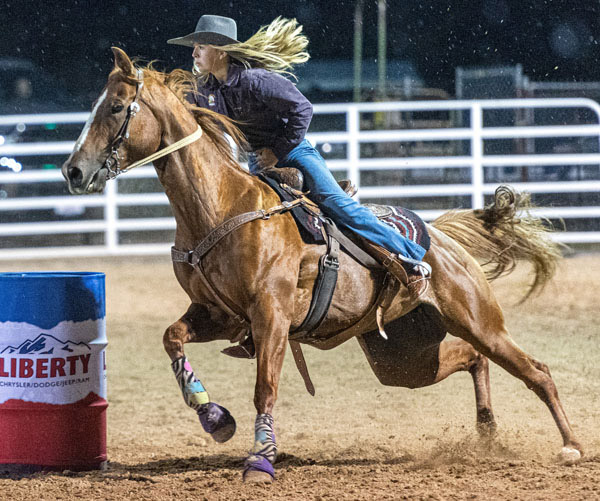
423, 269
418, 274
418, 286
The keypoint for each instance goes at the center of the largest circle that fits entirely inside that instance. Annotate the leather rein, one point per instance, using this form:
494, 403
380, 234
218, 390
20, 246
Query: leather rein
113, 163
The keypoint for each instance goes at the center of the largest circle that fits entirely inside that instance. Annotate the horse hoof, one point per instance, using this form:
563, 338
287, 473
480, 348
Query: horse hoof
257, 477
258, 470
569, 456
217, 421
487, 430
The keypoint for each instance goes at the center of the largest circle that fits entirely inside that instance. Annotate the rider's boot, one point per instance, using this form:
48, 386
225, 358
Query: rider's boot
413, 274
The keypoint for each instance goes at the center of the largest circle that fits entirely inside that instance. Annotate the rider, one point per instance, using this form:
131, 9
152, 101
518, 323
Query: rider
243, 80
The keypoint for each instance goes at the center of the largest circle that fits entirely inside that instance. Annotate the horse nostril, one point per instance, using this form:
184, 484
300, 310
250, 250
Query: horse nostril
75, 176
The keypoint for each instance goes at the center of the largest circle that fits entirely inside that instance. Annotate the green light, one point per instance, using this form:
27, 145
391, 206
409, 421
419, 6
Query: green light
50, 126
49, 166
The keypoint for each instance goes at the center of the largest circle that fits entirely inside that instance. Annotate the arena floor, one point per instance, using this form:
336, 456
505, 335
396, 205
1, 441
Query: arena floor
356, 439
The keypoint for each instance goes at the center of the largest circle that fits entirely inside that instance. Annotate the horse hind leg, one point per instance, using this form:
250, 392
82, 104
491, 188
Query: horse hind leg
458, 355
501, 349
480, 372
215, 419
472, 313
416, 356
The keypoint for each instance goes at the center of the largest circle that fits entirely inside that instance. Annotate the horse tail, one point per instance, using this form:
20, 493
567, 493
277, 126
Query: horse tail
502, 234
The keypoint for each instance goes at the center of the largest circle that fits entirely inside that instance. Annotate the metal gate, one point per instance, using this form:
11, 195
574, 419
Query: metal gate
430, 156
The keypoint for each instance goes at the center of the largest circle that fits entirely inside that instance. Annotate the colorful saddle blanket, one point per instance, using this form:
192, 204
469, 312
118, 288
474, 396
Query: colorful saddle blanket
403, 220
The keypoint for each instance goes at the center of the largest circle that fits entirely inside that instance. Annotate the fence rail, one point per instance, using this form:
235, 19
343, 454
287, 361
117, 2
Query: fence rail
474, 138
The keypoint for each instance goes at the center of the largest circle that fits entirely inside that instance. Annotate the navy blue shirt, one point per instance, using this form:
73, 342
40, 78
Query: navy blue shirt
271, 111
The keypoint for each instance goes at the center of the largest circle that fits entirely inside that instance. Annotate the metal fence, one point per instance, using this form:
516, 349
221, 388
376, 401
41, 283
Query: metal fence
428, 155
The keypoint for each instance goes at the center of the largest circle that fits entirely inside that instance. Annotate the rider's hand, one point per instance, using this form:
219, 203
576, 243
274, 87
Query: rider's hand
266, 158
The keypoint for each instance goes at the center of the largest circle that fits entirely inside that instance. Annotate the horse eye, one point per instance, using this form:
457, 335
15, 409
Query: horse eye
116, 108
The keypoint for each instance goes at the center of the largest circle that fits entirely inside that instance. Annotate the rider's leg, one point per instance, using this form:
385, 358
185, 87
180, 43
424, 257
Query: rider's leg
324, 190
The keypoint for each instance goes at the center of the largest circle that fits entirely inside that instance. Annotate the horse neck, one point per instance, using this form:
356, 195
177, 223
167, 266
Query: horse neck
204, 190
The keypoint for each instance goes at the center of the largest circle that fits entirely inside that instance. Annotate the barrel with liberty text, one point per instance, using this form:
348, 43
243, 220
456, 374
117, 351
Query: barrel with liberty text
52, 370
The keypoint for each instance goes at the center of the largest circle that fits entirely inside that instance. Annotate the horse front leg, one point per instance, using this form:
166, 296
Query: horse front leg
269, 330
215, 419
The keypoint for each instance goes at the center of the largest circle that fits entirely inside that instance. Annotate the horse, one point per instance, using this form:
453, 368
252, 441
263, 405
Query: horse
258, 277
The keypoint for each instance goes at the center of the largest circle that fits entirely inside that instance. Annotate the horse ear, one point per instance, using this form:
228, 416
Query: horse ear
122, 61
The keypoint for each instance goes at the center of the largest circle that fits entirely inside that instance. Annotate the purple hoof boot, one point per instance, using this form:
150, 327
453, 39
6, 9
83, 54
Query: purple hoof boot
256, 462
217, 421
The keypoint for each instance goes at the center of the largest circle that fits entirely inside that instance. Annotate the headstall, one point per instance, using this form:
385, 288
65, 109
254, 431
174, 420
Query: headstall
112, 162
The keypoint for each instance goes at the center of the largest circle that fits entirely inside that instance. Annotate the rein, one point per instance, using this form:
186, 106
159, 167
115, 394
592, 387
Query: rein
112, 162
164, 152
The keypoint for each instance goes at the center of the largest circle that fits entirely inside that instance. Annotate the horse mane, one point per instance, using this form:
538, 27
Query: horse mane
215, 126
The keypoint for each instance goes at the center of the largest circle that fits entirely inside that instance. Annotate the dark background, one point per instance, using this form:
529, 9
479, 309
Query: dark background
553, 40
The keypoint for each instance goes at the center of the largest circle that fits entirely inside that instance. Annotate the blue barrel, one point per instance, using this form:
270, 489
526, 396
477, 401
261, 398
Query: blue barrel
53, 370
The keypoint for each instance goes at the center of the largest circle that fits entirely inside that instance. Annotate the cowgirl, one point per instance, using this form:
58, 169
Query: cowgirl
244, 81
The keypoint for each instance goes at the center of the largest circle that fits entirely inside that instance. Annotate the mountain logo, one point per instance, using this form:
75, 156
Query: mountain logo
45, 344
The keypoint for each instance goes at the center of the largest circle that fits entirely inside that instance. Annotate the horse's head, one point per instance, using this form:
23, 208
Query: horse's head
117, 131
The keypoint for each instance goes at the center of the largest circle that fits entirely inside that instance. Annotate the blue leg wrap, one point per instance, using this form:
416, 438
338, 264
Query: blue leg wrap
194, 393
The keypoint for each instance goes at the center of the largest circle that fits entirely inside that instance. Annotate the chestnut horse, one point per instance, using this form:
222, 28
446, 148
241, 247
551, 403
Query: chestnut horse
261, 274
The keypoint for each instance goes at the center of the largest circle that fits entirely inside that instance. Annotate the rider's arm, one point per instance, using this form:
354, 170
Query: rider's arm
282, 96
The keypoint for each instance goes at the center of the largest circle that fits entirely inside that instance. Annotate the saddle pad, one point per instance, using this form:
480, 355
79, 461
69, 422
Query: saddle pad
308, 224
405, 221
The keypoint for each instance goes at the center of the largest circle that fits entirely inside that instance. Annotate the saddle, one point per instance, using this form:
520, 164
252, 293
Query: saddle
288, 183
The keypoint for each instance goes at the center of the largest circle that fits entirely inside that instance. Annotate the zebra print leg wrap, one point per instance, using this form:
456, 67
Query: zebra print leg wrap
215, 419
263, 454
192, 389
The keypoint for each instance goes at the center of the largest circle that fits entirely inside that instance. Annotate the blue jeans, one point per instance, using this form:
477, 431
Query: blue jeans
337, 205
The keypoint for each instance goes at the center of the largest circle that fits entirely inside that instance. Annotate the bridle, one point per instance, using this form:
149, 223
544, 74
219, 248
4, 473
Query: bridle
112, 162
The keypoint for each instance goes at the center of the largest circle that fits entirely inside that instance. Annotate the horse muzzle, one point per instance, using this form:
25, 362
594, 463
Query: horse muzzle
83, 181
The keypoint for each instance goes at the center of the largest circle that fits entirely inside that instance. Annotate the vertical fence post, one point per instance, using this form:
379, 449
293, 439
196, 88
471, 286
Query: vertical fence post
476, 155
353, 128
111, 234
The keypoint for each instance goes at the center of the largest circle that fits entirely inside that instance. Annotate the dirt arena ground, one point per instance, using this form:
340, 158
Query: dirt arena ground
356, 439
